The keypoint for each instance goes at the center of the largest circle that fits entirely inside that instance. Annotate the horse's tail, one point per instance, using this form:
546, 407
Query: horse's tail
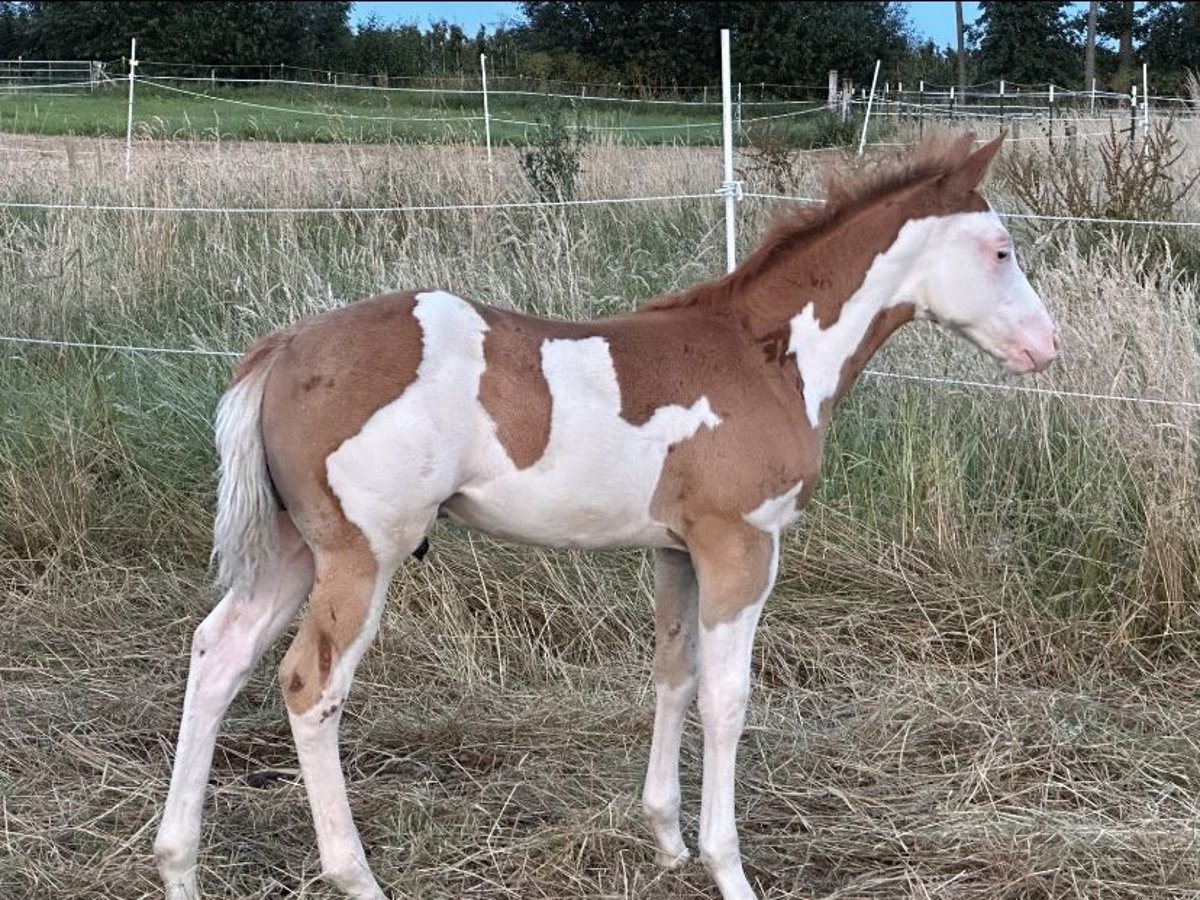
245, 530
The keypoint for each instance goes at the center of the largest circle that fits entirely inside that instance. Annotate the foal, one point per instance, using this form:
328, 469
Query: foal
693, 427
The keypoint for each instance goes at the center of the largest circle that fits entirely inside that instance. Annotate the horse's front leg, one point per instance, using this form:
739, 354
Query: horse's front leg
735, 566
675, 628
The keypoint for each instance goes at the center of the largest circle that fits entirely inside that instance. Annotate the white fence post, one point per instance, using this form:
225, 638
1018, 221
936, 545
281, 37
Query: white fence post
129, 115
487, 122
1145, 103
833, 89
730, 188
867, 119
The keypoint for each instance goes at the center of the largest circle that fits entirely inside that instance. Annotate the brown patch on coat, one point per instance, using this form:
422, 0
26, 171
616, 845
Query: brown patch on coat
775, 345
733, 567
882, 327
346, 580
668, 359
513, 389
331, 373
325, 651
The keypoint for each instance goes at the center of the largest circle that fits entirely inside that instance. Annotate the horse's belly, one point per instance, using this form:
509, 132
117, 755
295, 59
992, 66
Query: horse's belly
601, 509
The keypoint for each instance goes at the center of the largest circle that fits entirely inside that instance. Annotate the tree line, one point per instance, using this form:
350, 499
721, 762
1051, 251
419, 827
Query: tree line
659, 44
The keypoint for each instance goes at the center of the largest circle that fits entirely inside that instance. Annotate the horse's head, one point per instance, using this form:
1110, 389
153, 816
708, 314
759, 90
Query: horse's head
967, 277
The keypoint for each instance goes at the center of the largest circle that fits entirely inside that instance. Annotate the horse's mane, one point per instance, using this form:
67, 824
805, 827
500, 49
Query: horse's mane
848, 188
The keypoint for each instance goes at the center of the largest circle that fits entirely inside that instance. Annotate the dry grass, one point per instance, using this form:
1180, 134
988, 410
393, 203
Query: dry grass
979, 676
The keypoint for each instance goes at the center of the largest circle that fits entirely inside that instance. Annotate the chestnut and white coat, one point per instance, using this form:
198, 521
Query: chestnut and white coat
693, 427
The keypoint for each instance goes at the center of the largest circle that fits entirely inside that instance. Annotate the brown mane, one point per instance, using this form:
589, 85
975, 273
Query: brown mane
846, 191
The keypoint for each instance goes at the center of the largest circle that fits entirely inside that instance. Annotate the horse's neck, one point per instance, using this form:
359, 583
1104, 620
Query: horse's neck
836, 298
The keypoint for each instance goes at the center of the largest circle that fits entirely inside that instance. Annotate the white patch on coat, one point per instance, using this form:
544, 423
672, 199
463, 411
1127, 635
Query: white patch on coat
593, 484
963, 282
660, 793
821, 353
776, 513
435, 447
391, 476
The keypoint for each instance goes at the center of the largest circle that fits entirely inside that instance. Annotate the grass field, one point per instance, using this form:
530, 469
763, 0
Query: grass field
979, 676
336, 115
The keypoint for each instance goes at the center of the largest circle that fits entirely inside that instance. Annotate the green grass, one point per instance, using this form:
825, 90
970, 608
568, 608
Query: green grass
338, 115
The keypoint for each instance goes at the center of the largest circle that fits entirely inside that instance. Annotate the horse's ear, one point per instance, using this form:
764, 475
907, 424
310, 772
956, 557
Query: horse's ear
967, 175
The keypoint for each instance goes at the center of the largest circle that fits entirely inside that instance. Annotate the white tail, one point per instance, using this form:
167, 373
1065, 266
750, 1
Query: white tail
244, 533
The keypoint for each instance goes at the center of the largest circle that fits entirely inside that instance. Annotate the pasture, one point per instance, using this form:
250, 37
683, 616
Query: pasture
979, 676
319, 113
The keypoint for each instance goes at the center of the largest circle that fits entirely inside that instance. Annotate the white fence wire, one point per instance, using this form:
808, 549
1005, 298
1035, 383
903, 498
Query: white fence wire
898, 106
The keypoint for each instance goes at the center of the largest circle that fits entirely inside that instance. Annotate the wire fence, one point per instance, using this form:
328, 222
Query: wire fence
893, 103
1008, 104
220, 353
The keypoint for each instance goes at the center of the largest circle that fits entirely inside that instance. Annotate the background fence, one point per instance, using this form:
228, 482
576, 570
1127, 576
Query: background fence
52, 74
726, 110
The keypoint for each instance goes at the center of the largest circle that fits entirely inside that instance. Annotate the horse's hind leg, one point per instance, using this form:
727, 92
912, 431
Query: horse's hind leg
343, 616
225, 648
675, 680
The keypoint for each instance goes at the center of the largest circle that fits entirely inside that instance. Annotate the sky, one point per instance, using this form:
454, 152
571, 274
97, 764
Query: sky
933, 19
469, 15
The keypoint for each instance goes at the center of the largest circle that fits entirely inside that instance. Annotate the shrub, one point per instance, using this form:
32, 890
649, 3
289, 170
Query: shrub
1135, 178
770, 159
552, 160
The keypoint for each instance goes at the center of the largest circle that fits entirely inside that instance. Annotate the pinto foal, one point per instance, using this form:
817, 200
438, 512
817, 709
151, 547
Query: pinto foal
693, 427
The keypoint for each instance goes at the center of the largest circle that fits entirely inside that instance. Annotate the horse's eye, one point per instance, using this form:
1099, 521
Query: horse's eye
1003, 254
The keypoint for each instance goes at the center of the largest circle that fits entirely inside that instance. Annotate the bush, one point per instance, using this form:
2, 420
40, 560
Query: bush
1136, 178
1119, 179
770, 158
552, 160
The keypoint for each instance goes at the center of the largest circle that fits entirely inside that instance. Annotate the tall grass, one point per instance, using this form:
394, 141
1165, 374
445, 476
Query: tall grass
978, 676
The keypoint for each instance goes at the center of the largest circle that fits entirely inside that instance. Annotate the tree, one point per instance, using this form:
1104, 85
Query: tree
927, 62
207, 32
962, 47
667, 43
1119, 20
14, 29
397, 50
1171, 42
1030, 42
